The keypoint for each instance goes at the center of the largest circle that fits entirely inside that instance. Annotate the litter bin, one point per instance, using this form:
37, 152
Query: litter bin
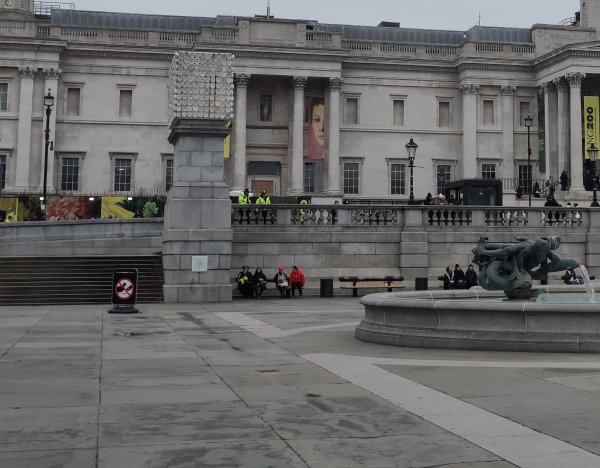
327, 287
421, 284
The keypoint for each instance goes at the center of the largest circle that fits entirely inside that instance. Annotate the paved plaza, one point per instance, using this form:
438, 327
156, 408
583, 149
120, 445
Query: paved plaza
277, 384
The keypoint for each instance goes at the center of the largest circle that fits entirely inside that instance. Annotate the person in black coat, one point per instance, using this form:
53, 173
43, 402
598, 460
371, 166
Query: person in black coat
428, 199
471, 277
244, 281
459, 278
259, 283
449, 278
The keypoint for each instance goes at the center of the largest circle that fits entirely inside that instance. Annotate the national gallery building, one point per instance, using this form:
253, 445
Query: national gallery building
320, 109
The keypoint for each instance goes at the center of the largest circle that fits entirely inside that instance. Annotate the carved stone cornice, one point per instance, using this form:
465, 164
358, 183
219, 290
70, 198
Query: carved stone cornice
335, 84
28, 72
242, 80
398, 67
52, 73
560, 83
508, 90
469, 88
575, 79
299, 82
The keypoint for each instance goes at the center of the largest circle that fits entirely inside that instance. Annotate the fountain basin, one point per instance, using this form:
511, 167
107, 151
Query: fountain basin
481, 320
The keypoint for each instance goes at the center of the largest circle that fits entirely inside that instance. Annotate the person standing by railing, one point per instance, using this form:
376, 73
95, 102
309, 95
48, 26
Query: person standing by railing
244, 199
264, 199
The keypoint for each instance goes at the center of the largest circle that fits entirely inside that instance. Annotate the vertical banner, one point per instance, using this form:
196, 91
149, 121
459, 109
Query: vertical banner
542, 132
316, 127
227, 144
591, 105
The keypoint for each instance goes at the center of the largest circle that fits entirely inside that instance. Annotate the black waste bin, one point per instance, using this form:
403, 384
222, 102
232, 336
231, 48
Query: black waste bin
326, 287
421, 284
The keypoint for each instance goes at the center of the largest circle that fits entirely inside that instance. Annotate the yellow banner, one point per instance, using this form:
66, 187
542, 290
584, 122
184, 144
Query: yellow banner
591, 105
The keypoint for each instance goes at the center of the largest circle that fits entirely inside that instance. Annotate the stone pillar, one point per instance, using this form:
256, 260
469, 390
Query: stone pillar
297, 182
544, 91
563, 134
508, 131
469, 158
333, 135
197, 237
551, 103
576, 175
239, 125
24, 132
51, 86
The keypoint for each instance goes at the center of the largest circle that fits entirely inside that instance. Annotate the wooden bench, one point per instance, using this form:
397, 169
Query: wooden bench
388, 283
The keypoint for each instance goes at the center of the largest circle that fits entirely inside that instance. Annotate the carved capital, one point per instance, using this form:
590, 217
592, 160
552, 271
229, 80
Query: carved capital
508, 90
299, 82
335, 84
575, 79
52, 73
242, 81
28, 72
560, 83
469, 88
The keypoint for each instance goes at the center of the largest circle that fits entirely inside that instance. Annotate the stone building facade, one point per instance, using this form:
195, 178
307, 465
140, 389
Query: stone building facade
462, 95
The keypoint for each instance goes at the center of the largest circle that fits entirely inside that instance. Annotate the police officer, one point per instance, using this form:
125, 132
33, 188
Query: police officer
244, 199
264, 199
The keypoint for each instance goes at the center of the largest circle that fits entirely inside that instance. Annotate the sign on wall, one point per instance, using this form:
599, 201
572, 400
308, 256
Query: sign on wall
591, 105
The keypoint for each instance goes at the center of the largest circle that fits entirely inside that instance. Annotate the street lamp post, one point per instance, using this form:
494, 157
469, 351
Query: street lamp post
411, 149
48, 102
529, 124
593, 152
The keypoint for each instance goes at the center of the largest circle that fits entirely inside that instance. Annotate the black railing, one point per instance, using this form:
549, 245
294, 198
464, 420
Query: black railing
44, 9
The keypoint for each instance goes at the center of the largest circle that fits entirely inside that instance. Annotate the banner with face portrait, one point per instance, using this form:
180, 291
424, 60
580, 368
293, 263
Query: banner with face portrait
316, 127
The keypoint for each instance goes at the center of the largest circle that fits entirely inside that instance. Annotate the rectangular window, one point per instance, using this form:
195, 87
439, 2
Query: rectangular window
488, 171
70, 174
398, 179
351, 178
125, 102
524, 111
122, 175
444, 114
266, 108
3, 96
2, 171
169, 174
488, 113
351, 116
73, 101
309, 177
444, 175
525, 178
398, 113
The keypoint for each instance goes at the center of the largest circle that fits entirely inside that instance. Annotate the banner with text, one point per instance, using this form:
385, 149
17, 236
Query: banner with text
591, 105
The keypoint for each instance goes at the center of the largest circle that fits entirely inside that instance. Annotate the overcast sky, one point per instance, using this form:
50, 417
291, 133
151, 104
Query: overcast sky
433, 14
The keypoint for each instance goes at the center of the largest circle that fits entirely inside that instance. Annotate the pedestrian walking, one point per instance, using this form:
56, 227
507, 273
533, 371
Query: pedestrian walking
264, 199
297, 280
259, 283
282, 282
244, 281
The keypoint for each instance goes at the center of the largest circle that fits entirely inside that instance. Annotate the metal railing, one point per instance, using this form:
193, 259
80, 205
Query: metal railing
45, 8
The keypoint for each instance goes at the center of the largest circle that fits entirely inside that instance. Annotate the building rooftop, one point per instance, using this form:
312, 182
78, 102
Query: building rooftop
348, 32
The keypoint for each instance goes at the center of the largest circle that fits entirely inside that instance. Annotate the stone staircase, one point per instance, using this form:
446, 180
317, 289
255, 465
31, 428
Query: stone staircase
75, 280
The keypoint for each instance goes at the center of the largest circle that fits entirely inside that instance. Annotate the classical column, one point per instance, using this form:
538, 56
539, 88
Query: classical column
333, 134
575, 80
544, 91
469, 159
297, 182
551, 103
52, 75
24, 132
239, 157
563, 135
508, 131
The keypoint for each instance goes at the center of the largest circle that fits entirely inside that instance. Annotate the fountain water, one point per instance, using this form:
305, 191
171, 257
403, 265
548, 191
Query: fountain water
589, 287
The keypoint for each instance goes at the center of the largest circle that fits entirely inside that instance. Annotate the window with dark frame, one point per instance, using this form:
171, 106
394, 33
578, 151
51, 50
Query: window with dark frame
351, 178
122, 175
3, 96
70, 174
2, 171
444, 175
398, 178
309, 177
525, 179
169, 174
488, 171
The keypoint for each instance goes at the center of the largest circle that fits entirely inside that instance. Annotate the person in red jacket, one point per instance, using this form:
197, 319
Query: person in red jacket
297, 280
